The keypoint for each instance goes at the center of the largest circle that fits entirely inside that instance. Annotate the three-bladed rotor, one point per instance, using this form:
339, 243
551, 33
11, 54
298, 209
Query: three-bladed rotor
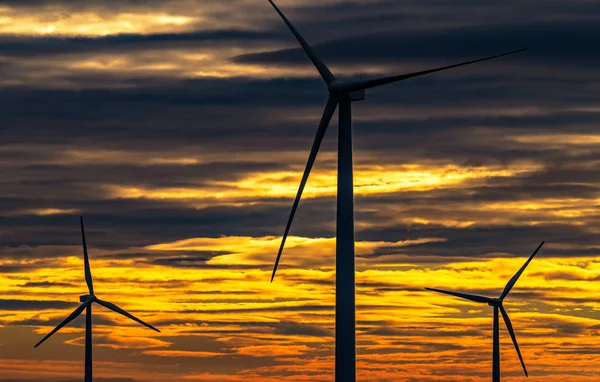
88, 300
497, 302
339, 90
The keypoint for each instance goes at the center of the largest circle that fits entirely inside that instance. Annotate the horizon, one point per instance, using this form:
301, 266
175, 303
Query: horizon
179, 130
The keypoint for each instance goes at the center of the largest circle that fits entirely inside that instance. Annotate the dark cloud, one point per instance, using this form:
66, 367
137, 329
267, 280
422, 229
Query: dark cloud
421, 332
553, 43
34, 305
75, 5
27, 47
301, 329
558, 275
13, 268
44, 284
79, 322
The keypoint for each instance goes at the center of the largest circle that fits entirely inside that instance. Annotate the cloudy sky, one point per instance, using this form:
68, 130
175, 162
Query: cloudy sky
179, 129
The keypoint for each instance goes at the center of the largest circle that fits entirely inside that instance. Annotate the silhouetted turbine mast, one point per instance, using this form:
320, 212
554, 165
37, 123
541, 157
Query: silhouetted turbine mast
87, 301
497, 304
343, 93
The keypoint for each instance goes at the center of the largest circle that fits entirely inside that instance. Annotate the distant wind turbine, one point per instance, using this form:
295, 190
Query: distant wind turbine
343, 93
86, 305
497, 304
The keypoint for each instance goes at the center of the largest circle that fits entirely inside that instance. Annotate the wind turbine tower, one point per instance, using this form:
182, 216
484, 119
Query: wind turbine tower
496, 303
343, 93
86, 304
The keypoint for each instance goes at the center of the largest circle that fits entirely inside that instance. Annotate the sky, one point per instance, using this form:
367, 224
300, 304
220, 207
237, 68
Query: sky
179, 129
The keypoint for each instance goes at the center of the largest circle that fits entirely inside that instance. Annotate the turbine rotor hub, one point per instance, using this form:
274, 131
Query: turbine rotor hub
339, 91
336, 88
495, 302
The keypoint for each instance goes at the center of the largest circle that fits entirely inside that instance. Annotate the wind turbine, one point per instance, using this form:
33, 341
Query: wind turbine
87, 301
497, 304
343, 93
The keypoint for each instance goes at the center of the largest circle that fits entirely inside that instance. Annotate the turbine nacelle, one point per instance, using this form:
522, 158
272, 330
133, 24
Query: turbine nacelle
87, 298
358, 95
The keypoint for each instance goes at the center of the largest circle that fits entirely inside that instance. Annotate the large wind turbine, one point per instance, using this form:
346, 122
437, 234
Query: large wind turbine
86, 305
497, 304
343, 93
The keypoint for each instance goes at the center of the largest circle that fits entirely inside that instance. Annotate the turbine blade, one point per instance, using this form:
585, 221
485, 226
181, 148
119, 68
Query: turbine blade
325, 119
471, 297
86, 261
71, 317
514, 279
367, 84
115, 308
512, 335
324, 71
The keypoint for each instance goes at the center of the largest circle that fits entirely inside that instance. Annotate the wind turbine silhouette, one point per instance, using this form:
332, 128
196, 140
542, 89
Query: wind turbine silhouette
343, 93
87, 301
497, 304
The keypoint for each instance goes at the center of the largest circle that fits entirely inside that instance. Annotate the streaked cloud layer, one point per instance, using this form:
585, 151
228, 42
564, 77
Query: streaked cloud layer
179, 129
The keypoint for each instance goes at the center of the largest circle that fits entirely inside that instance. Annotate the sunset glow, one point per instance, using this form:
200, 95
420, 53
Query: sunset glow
179, 130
